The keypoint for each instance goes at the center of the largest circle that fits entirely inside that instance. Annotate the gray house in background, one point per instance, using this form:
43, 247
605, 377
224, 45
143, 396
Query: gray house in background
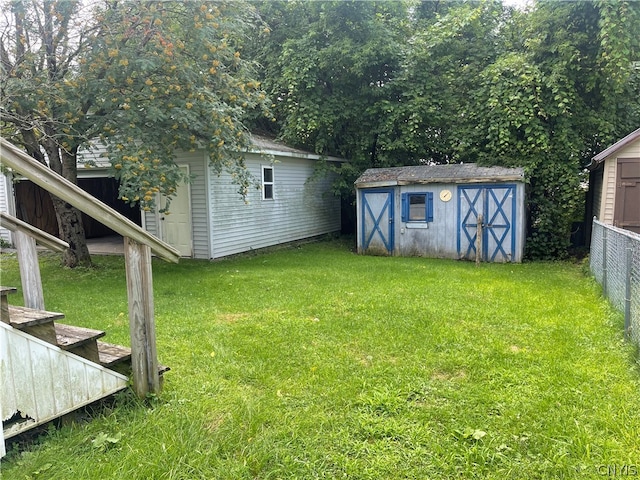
437, 211
7, 204
208, 217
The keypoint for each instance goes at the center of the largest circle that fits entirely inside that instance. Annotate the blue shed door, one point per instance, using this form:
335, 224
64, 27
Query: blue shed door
497, 204
377, 220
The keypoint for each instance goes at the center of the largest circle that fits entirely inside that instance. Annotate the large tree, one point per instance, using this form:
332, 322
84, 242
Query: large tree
143, 78
380, 83
468, 81
562, 90
328, 66
450, 46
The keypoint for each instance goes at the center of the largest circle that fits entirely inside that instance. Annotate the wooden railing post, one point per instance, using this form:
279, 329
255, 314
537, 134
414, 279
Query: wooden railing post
29, 270
144, 359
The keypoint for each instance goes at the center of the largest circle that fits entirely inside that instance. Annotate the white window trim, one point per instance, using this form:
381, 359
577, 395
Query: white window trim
272, 182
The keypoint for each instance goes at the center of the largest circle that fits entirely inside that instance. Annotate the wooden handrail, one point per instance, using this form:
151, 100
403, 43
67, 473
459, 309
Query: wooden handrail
46, 178
25, 238
138, 246
43, 238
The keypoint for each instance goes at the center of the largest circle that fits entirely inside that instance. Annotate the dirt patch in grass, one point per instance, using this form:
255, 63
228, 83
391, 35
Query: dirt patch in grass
442, 376
214, 424
231, 317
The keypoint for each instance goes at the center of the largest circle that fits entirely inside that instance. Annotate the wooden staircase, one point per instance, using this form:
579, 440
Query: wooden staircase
81, 342
26, 359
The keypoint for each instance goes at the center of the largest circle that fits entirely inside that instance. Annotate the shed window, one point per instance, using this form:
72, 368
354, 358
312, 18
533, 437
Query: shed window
417, 207
267, 182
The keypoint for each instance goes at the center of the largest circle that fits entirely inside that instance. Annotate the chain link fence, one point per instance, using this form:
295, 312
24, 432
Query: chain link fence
615, 262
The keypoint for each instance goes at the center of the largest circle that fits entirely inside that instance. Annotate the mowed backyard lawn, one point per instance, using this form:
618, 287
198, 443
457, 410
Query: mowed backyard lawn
313, 362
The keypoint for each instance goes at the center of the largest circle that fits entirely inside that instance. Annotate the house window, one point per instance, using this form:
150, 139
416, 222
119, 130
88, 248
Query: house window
267, 182
417, 207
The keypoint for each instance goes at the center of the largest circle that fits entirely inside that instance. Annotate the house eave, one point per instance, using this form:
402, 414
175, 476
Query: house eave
376, 184
269, 146
307, 156
260, 145
608, 152
440, 180
502, 179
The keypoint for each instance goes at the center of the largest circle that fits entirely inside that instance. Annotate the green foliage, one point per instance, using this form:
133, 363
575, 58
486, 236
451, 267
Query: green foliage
308, 363
327, 65
173, 78
104, 442
544, 88
552, 102
521, 120
380, 83
554, 198
145, 78
441, 69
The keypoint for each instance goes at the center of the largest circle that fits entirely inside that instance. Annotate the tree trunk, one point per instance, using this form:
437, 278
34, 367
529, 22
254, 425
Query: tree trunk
72, 231
70, 226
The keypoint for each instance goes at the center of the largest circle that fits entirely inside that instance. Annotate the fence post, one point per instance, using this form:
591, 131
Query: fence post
604, 261
627, 292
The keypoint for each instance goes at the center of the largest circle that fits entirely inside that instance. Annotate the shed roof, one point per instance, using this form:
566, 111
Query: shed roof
620, 144
423, 174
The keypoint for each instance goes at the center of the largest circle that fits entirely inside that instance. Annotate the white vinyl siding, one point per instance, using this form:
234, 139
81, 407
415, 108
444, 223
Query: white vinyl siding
607, 206
6, 204
630, 151
300, 209
150, 223
198, 162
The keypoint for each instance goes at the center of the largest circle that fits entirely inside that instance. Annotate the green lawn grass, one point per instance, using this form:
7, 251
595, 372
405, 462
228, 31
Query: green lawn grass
314, 362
